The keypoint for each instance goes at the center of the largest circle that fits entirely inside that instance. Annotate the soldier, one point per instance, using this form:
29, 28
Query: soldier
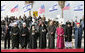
15, 36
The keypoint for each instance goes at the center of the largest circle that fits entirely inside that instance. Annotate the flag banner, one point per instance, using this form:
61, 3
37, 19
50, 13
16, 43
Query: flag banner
78, 8
35, 13
27, 7
53, 8
67, 7
14, 9
2, 7
41, 9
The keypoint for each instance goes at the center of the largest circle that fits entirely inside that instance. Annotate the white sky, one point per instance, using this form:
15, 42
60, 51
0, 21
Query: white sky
68, 14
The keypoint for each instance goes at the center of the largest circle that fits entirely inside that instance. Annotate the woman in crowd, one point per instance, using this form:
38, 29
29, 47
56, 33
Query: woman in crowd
60, 37
51, 35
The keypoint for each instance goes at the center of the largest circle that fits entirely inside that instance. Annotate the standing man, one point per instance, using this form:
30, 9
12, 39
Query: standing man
51, 35
78, 36
60, 36
7, 36
23, 36
68, 35
15, 36
6, 18
33, 37
42, 36
82, 23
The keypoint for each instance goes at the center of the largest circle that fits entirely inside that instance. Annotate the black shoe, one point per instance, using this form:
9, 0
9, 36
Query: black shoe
4, 48
25, 47
8, 47
12, 48
70, 47
66, 47
17, 47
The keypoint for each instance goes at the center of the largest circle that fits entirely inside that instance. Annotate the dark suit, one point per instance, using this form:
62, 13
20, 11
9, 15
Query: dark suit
7, 36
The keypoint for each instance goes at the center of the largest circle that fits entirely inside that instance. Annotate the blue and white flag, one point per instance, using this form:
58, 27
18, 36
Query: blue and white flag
67, 7
2, 7
27, 7
53, 8
78, 8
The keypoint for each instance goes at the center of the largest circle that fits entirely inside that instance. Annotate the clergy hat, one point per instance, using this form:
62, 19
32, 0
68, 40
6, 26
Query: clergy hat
15, 23
24, 23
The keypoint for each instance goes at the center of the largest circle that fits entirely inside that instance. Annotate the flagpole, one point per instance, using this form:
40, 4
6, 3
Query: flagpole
62, 13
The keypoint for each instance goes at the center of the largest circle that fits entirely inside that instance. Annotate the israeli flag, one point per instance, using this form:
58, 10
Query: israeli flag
78, 8
53, 8
27, 7
2, 7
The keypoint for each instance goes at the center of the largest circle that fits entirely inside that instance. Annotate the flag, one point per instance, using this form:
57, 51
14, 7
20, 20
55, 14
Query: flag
41, 9
53, 8
35, 13
14, 9
78, 8
2, 7
67, 7
27, 7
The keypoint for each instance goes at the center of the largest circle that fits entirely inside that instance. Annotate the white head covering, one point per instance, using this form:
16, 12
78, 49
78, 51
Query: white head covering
24, 23
14, 23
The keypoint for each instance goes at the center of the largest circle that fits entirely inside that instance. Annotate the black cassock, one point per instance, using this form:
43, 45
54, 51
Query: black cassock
42, 36
51, 37
15, 37
33, 39
24, 37
68, 34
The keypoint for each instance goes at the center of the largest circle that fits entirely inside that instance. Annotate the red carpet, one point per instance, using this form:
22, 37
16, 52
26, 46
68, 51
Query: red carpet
42, 50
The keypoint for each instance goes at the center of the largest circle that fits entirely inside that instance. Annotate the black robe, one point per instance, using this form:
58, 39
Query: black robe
23, 39
15, 37
42, 36
6, 36
68, 34
33, 40
51, 37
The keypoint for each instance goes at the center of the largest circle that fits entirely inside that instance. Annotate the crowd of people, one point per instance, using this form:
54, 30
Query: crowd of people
26, 31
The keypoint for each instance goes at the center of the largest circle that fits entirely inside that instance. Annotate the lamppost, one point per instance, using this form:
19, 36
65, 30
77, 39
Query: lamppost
62, 5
